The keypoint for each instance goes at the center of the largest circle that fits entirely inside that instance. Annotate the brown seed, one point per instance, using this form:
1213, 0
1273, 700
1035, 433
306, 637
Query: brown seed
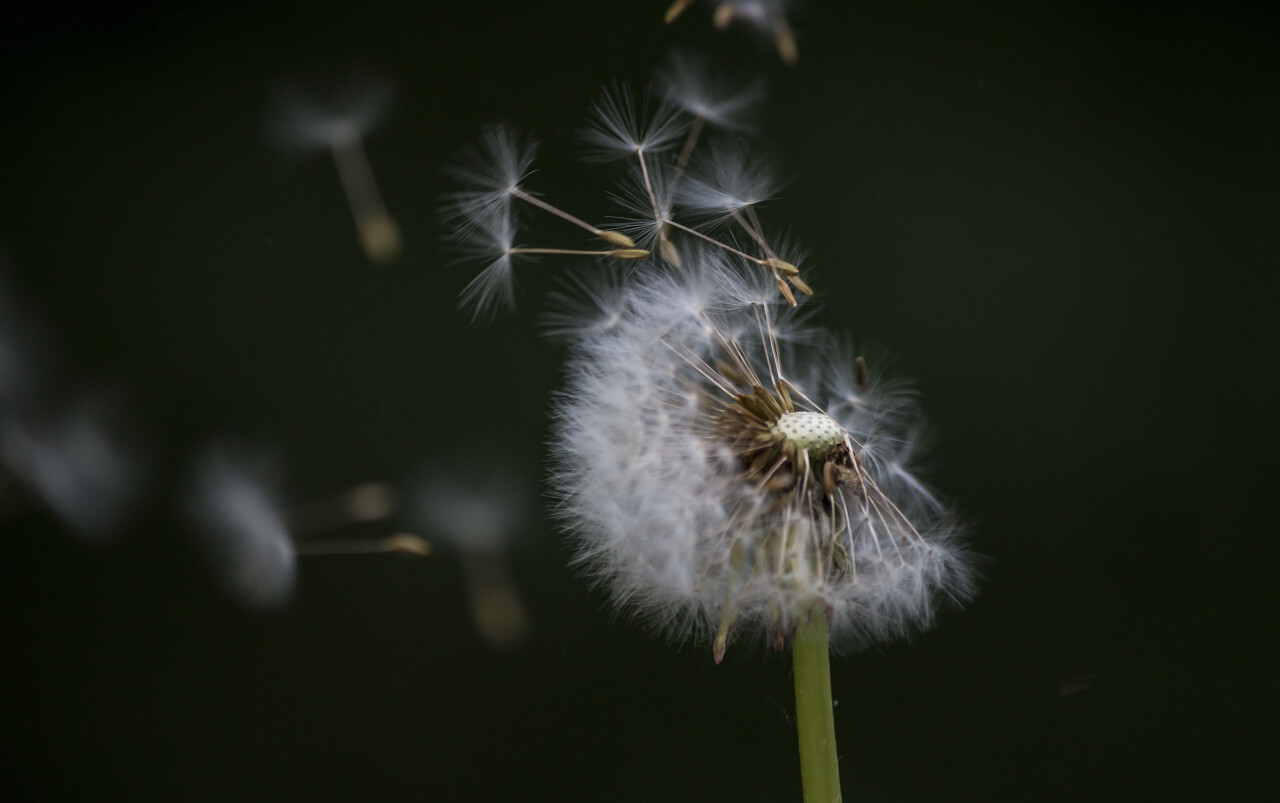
730, 373
781, 481
782, 266
799, 284
616, 238
628, 253
668, 251
768, 401
677, 8
786, 292
784, 393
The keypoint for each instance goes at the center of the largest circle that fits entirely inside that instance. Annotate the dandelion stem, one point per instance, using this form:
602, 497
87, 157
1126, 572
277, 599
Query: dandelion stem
815, 719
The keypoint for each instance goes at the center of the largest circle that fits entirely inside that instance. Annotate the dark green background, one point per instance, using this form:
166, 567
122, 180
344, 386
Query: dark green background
1061, 217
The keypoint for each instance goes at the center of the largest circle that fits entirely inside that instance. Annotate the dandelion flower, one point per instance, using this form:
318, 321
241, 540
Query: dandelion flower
710, 464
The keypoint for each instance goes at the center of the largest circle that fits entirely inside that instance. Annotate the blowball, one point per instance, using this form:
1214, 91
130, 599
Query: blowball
723, 468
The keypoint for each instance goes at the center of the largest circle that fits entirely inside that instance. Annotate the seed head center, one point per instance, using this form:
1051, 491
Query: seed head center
816, 433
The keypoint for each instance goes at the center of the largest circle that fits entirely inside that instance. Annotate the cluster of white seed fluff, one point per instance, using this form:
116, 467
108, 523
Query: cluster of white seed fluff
724, 467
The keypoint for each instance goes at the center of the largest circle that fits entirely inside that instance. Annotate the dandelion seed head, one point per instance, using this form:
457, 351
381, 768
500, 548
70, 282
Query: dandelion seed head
712, 494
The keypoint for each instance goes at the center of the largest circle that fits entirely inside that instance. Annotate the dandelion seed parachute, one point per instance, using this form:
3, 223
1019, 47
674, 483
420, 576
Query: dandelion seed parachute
647, 202
621, 125
727, 180
694, 83
489, 173
489, 240
696, 492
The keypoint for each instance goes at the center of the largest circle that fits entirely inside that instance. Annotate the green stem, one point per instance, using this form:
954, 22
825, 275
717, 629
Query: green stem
815, 720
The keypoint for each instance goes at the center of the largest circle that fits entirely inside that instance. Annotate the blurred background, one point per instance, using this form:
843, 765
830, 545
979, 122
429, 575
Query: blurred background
1060, 219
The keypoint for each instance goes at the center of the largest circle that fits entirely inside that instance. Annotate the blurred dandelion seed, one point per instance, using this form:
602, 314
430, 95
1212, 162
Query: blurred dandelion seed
769, 18
692, 83
481, 511
231, 501
338, 121
314, 523
81, 452
400, 543
84, 459
370, 501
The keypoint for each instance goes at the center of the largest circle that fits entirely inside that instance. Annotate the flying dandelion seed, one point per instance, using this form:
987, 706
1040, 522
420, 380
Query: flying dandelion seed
692, 82
728, 182
621, 125
483, 222
339, 121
